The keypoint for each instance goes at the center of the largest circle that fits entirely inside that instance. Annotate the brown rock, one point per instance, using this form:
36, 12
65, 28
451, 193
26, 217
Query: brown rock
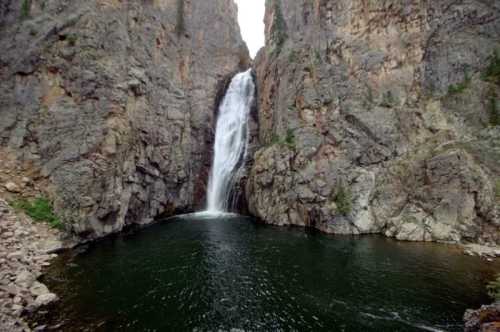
484, 319
12, 187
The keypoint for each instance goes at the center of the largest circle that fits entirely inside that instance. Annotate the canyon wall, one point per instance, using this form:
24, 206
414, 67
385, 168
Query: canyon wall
380, 117
107, 106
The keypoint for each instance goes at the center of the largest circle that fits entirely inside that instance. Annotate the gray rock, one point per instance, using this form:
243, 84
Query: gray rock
38, 289
45, 299
366, 97
16, 255
113, 106
25, 279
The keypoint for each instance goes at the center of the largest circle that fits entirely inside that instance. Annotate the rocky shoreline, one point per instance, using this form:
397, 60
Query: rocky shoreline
26, 248
487, 252
484, 319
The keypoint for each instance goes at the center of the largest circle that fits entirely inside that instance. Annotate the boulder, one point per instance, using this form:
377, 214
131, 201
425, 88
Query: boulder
38, 289
45, 299
12, 187
485, 319
25, 279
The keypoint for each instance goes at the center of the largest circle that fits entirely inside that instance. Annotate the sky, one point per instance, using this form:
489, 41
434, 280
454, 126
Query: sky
251, 19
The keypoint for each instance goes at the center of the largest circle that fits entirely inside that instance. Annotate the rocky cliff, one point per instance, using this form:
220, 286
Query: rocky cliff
380, 117
107, 106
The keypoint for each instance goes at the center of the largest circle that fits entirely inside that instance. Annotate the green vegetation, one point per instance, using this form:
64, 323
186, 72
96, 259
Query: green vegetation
278, 30
388, 100
317, 57
344, 200
25, 8
497, 189
494, 288
492, 72
370, 94
44, 112
460, 87
40, 210
492, 75
290, 138
494, 113
368, 100
275, 139
180, 27
72, 38
292, 56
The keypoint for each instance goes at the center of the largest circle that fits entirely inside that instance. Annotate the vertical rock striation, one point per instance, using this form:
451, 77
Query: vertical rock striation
111, 102
377, 117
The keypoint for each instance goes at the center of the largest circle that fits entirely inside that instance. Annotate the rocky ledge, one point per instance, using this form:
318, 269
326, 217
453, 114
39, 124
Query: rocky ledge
486, 252
485, 319
26, 248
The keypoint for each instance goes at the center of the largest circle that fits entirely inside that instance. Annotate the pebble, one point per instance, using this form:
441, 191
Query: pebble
22, 257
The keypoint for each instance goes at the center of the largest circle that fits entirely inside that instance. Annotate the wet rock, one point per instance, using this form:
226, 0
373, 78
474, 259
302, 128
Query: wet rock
484, 319
45, 299
38, 289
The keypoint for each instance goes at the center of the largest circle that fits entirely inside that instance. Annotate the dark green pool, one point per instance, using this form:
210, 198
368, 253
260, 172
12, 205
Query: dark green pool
195, 274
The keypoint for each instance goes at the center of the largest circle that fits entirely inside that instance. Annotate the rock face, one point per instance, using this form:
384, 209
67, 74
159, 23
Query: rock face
485, 319
378, 117
111, 103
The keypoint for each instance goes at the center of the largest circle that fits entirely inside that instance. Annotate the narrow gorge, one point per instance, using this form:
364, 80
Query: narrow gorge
231, 143
373, 118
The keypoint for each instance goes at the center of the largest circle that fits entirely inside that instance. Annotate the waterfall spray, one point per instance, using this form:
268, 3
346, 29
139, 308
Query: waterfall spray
231, 142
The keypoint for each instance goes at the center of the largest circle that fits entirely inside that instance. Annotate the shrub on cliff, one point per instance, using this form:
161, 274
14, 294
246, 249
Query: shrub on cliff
290, 138
25, 8
344, 200
494, 288
460, 87
494, 113
180, 26
278, 29
497, 189
40, 210
388, 100
492, 72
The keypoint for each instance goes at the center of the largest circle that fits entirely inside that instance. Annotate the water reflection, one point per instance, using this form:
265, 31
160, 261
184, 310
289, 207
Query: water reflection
196, 273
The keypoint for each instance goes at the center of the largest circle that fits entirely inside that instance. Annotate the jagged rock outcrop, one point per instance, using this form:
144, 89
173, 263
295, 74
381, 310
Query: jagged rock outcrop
378, 117
484, 319
110, 103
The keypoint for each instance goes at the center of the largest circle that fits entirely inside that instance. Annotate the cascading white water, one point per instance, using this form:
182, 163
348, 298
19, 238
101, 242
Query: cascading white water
231, 141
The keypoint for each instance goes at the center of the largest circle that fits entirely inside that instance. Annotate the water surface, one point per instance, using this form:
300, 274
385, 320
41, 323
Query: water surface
198, 274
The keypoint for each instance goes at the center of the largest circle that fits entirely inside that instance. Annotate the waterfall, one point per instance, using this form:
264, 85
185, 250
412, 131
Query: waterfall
231, 142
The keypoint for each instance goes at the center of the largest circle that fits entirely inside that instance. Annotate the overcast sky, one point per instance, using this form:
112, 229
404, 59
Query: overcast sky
251, 18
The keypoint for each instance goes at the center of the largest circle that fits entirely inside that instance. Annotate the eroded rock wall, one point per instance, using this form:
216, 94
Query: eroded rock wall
110, 103
375, 118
